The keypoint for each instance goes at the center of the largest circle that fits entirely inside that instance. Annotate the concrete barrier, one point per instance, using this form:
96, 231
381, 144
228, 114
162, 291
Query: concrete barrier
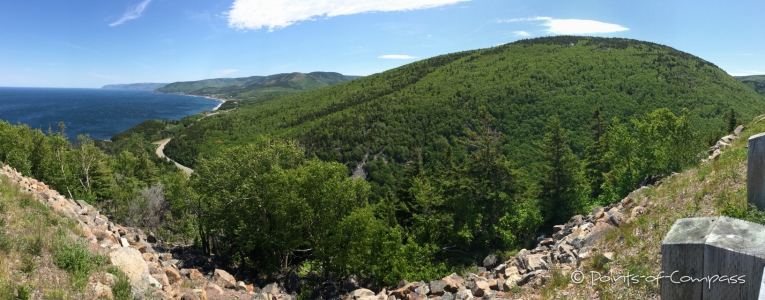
712, 258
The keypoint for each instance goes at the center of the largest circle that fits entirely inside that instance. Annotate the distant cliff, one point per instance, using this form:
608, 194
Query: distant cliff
145, 86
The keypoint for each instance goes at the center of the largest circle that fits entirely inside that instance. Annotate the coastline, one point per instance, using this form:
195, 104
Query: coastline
208, 97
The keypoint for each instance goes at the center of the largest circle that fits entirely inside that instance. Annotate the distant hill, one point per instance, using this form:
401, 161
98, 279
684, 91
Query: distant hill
145, 86
422, 108
254, 86
756, 82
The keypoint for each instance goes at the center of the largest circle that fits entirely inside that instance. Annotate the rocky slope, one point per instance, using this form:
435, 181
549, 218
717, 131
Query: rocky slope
163, 275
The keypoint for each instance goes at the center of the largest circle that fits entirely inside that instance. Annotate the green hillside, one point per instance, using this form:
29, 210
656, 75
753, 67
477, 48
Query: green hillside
426, 105
254, 86
756, 82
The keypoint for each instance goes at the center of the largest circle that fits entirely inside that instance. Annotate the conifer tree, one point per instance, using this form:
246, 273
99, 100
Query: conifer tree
595, 166
731, 118
559, 175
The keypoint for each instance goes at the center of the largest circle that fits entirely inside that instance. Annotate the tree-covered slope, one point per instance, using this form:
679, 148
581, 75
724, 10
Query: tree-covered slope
421, 109
251, 87
756, 82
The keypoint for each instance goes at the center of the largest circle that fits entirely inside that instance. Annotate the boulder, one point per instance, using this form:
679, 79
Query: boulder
490, 261
529, 276
423, 290
481, 288
453, 282
131, 262
101, 291
359, 293
447, 296
738, 130
609, 256
224, 279
194, 274
536, 262
213, 290
464, 295
271, 288
437, 287
240, 286
597, 212
172, 274
512, 274
616, 217
162, 279
149, 257
597, 233
637, 210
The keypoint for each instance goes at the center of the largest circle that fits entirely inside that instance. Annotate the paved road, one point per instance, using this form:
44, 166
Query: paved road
161, 154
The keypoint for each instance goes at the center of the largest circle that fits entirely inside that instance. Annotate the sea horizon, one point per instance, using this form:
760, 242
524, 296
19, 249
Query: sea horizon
100, 113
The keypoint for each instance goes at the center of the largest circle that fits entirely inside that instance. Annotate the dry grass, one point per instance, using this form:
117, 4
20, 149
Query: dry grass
34, 241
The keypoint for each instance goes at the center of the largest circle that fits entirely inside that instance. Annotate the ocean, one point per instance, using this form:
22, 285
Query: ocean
99, 113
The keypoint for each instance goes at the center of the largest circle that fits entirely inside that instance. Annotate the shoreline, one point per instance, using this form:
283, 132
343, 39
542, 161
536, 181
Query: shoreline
208, 97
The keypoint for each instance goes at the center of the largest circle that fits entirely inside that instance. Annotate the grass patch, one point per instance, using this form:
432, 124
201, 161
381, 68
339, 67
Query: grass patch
74, 258
121, 290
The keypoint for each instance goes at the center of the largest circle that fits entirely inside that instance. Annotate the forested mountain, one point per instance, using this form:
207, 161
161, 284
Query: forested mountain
756, 82
462, 155
423, 108
250, 87
145, 86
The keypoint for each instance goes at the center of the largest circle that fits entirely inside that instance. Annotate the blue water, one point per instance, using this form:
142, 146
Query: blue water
100, 113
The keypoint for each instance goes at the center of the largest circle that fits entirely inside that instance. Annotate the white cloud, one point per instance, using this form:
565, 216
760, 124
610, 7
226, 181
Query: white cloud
569, 26
746, 73
256, 14
575, 26
521, 33
396, 56
132, 13
524, 19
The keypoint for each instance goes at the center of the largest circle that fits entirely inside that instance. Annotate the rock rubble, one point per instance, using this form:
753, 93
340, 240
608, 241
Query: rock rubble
151, 274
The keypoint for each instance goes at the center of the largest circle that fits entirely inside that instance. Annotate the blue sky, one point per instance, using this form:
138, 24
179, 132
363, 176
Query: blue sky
90, 43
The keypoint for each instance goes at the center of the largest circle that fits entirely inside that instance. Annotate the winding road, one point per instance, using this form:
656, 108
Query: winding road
161, 154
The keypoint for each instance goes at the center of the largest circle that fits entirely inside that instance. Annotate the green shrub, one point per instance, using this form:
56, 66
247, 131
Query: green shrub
121, 290
74, 258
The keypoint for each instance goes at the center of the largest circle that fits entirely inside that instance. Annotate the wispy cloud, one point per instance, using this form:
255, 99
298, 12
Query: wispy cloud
132, 13
571, 26
746, 73
273, 14
397, 56
521, 33
524, 19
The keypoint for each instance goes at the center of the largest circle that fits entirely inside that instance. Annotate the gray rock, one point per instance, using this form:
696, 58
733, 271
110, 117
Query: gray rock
271, 288
528, 276
359, 293
490, 261
423, 290
536, 262
738, 130
616, 217
447, 296
464, 295
437, 287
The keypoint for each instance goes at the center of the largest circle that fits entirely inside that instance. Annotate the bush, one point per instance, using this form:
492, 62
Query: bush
121, 290
74, 258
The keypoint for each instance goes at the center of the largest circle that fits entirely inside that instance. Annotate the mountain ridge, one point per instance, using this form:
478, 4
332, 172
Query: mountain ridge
142, 86
254, 86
